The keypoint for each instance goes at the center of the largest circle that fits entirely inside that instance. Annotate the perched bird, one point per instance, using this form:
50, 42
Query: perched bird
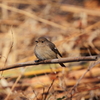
45, 49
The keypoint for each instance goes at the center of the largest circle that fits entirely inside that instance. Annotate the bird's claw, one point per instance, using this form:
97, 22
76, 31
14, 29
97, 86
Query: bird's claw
38, 60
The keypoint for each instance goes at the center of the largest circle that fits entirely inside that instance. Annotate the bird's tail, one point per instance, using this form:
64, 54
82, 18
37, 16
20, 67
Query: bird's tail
62, 64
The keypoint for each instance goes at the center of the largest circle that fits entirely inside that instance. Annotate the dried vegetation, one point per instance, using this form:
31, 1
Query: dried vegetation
74, 27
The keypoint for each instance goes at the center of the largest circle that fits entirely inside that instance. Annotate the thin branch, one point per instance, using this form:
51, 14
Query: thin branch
74, 9
84, 90
11, 46
32, 16
14, 85
49, 89
52, 61
77, 83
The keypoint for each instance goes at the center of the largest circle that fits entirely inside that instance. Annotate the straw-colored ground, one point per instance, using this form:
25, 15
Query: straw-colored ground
72, 25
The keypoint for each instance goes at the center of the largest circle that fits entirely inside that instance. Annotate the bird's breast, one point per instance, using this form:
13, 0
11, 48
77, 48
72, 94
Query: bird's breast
44, 52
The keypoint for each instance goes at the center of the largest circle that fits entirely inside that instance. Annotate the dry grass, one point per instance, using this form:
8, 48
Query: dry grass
75, 31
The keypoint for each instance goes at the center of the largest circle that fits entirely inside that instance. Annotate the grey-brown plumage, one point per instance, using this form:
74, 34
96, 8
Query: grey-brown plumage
45, 49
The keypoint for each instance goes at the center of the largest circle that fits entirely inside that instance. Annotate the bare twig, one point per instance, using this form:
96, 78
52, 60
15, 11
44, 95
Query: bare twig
75, 9
13, 87
77, 83
32, 16
52, 61
49, 89
9, 50
84, 90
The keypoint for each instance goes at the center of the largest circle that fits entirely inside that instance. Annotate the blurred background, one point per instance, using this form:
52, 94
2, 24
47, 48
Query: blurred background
72, 25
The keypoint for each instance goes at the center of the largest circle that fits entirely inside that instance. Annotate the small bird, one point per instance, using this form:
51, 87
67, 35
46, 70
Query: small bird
45, 49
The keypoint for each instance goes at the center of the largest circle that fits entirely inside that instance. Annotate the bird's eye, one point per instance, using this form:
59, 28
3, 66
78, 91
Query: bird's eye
36, 41
42, 41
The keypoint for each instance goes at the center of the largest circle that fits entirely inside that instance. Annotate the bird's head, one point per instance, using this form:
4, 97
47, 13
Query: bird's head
42, 41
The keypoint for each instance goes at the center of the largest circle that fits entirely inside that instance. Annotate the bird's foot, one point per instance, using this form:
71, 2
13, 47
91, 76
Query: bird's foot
38, 60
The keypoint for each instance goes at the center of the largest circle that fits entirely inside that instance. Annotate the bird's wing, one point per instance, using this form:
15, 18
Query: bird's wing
53, 47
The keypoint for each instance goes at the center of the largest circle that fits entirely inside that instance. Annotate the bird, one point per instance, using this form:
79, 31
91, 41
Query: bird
45, 49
